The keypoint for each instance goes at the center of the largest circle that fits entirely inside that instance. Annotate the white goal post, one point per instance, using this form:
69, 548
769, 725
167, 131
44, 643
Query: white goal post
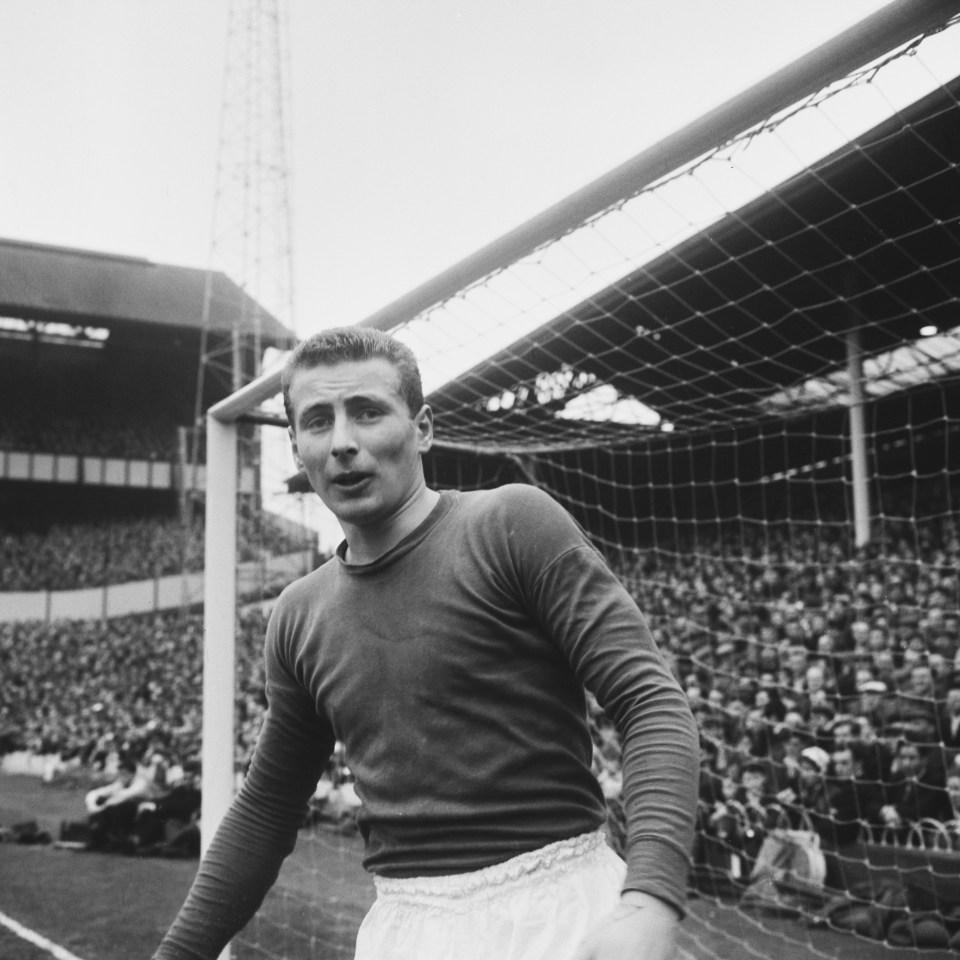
220, 598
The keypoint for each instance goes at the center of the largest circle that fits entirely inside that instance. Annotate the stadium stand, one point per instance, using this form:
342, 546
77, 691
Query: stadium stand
98, 386
773, 664
99, 355
120, 550
99, 376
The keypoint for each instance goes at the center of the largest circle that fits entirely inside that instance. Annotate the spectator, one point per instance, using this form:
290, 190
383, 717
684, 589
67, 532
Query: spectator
743, 815
843, 731
810, 803
873, 694
913, 713
113, 808
849, 800
953, 792
711, 781
169, 825
917, 790
948, 725
761, 807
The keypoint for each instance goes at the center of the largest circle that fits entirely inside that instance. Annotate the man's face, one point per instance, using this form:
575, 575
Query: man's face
809, 772
953, 788
884, 660
797, 659
908, 758
843, 764
868, 733
921, 680
953, 701
843, 734
356, 440
713, 730
754, 782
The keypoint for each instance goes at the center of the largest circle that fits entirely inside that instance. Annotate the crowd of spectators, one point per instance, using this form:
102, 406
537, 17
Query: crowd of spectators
100, 690
85, 426
825, 678
47, 408
825, 681
98, 433
118, 704
77, 556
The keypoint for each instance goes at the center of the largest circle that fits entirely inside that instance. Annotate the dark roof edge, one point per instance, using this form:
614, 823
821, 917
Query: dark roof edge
76, 252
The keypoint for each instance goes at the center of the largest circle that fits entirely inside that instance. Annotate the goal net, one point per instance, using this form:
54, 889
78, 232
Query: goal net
736, 361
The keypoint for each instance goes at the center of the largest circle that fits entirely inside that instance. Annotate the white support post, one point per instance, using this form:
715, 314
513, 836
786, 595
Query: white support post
858, 441
219, 625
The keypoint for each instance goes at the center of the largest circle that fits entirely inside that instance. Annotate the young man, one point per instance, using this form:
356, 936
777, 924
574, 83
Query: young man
917, 790
852, 802
447, 645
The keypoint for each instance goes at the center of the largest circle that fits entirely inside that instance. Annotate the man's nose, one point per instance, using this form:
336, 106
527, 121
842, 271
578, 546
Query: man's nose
343, 440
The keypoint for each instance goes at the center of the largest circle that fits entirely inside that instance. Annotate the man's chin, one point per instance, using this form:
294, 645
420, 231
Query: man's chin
358, 510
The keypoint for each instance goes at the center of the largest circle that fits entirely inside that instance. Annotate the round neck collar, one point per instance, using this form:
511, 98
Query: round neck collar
404, 546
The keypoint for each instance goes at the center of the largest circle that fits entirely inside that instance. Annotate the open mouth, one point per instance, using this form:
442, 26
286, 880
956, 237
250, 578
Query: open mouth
350, 481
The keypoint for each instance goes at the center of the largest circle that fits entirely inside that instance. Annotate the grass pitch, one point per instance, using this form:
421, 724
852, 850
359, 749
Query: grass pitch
94, 906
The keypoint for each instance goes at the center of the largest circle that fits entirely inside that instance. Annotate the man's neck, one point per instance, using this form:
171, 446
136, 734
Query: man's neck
368, 543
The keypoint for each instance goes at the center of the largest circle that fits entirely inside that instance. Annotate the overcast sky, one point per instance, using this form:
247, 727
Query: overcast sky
421, 129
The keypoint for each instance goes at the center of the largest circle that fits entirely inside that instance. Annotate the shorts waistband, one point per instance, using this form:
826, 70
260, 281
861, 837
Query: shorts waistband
543, 863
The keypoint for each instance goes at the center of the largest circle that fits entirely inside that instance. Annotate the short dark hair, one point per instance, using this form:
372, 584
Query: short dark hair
922, 748
344, 344
845, 721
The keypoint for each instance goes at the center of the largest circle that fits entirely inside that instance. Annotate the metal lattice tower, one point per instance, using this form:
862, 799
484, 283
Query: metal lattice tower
251, 232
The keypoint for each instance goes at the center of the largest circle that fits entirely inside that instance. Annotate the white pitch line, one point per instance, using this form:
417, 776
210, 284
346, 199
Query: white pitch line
42, 942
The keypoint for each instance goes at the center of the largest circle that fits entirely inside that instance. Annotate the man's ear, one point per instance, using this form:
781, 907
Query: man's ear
424, 423
294, 449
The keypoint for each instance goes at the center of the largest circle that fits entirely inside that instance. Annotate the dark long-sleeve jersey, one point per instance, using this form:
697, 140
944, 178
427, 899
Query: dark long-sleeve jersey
453, 670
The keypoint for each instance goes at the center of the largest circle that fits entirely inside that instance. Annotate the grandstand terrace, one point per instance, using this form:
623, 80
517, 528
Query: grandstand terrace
99, 363
99, 353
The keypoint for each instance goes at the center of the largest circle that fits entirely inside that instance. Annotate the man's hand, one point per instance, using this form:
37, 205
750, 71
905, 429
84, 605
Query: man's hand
641, 927
787, 795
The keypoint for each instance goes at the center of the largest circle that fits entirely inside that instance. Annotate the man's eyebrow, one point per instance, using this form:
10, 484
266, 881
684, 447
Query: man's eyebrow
351, 400
361, 397
354, 400
314, 407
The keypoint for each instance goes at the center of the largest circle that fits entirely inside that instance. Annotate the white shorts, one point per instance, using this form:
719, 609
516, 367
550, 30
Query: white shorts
537, 906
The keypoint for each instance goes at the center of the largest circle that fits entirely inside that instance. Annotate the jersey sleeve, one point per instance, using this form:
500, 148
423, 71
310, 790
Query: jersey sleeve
260, 829
585, 608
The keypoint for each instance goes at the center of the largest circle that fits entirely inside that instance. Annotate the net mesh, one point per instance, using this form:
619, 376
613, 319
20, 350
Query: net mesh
687, 372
